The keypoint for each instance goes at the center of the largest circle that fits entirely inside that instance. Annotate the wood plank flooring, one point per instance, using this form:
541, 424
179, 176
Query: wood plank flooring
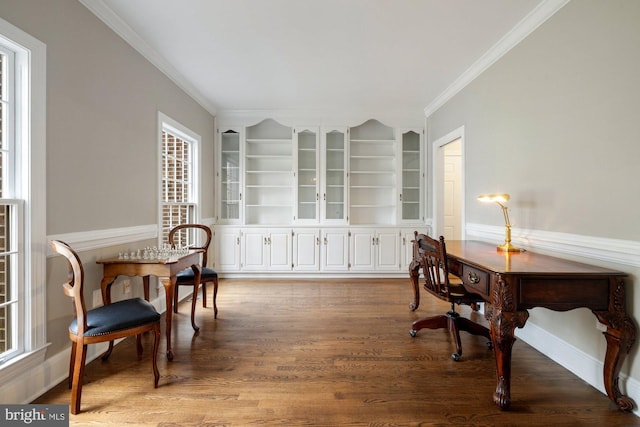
327, 353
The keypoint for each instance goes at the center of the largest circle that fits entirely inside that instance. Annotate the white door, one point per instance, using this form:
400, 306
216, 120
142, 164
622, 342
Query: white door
306, 250
448, 195
254, 250
335, 250
227, 249
452, 191
361, 250
280, 251
388, 250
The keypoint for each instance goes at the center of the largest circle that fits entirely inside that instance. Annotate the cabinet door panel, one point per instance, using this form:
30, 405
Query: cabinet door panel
362, 250
280, 251
335, 250
306, 250
388, 250
228, 250
254, 251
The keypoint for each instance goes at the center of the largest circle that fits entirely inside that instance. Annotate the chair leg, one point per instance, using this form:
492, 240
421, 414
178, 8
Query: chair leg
215, 295
194, 299
72, 362
78, 376
139, 348
204, 294
452, 323
435, 322
154, 355
107, 353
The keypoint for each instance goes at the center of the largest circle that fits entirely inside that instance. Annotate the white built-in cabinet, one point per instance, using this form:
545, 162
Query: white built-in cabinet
306, 166
374, 249
266, 249
318, 199
229, 175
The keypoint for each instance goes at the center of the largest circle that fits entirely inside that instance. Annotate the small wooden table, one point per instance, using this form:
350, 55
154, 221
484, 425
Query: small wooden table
165, 269
512, 283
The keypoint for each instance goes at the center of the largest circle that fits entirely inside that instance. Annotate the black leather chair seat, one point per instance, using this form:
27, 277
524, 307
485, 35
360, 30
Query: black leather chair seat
117, 316
186, 275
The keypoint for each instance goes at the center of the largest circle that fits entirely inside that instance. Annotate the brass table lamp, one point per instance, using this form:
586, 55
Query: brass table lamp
500, 199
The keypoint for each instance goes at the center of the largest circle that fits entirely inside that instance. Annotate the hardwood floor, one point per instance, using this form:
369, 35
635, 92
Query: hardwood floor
327, 353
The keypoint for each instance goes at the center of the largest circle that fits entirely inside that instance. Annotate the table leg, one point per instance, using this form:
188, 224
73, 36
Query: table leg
503, 320
620, 336
169, 284
105, 287
145, 287
414, 274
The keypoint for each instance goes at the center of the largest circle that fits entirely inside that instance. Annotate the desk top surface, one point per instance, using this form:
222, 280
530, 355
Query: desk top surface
487, 257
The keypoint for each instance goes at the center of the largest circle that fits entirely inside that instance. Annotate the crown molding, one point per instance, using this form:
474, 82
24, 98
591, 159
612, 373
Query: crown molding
121, 28
522, 29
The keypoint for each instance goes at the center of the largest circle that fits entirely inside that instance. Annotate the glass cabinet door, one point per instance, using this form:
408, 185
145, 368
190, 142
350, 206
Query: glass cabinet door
230, 175
307, 175
333, 197
411, 172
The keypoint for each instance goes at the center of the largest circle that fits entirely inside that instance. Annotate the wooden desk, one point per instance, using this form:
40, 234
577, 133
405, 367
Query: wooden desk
165, 270
512, 283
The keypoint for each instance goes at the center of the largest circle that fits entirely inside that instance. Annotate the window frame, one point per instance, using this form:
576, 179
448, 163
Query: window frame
30, 192
167, 124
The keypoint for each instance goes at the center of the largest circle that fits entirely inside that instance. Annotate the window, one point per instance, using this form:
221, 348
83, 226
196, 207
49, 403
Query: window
22, 202
179, 184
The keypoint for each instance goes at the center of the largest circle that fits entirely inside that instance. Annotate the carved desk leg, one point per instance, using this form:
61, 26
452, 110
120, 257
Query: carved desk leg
414, 274
620, 336
504, 320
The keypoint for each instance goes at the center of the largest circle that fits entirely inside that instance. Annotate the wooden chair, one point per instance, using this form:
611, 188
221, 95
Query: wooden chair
440, 283
107, 323
183, 235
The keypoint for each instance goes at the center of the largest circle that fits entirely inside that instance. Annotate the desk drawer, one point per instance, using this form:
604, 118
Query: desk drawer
476, 279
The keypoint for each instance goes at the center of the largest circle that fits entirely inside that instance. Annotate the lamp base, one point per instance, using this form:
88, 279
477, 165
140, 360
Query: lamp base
508, 247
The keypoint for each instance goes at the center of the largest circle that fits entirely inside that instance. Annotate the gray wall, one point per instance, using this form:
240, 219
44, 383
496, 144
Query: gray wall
102, 150
556, 124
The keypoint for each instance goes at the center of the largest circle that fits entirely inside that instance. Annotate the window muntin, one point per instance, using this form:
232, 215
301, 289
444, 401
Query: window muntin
179, 186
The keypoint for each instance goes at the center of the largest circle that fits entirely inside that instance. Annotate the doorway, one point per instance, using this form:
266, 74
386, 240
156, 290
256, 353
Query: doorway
452, 191
448, 177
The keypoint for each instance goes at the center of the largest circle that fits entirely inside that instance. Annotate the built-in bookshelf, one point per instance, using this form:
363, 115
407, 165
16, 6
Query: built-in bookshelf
268, 173
373, 175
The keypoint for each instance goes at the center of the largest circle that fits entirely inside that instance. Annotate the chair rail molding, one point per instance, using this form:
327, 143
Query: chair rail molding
624, 252
98, 239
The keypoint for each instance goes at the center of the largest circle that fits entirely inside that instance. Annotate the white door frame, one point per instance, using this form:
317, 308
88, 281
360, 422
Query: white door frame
437, 169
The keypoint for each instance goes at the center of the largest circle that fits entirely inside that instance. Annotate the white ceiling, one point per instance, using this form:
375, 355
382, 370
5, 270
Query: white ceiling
316, 55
